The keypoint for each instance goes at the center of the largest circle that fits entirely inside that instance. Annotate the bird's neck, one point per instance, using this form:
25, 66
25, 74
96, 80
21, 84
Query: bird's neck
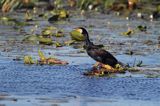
87, 41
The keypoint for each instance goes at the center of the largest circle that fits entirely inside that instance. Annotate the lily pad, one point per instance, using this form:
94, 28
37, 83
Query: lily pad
47, 32
31, 38
75, 35
70, 42
63, 14
58, 15
46, 41
59, 34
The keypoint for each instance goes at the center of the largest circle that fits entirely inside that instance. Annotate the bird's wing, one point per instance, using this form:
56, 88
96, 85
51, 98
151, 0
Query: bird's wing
103, 56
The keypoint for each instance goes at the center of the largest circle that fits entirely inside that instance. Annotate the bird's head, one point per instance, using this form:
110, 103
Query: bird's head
83, 31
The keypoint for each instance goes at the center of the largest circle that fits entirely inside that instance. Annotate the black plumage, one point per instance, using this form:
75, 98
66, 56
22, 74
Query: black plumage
97, 53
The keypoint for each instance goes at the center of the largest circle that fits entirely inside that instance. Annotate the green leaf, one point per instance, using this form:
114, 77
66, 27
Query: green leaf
75, 35
46, 41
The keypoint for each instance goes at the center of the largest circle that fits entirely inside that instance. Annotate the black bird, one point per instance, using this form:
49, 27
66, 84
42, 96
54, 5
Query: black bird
97, 53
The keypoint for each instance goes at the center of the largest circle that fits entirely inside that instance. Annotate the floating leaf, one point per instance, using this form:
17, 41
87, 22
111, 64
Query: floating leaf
75, 35
59, 34
70, 42
31, 38
46, 41
58, 15
5, 18
48, 31
63, 14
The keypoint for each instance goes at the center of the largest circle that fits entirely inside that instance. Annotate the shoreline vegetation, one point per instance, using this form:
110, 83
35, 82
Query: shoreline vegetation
126, 8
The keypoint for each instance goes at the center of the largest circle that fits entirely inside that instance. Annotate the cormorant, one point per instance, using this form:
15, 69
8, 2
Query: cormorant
97, 53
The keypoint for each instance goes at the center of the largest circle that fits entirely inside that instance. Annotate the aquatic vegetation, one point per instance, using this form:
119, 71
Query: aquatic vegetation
59, 33
60, 11
45, 41
58, 3
105, 70
6, 20
31, 38
128, 33
43, 60
41, 56
60, 14
46, 36
142, 28
76, 35
72, 3
139, 64
50, 61
95, 4
58, 44
70, 42
9, 5
28, 60
52, 31
48, 31
38, 39
28, 16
